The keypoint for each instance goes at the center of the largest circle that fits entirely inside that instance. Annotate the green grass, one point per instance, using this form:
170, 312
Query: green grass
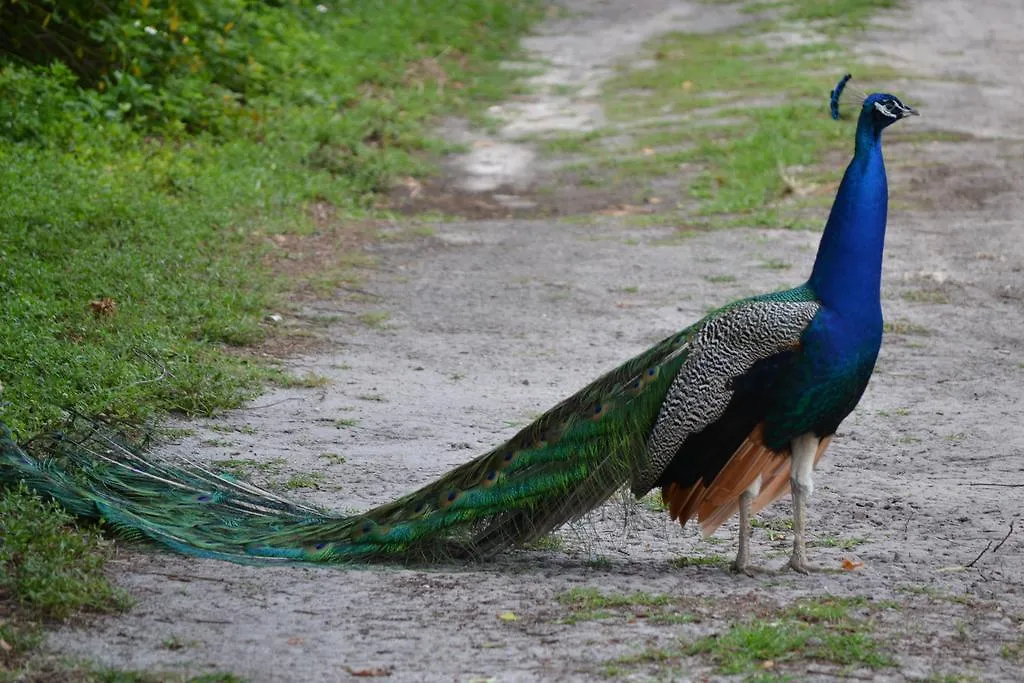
836, 542
905, 327
49, 570
1013, 651
374, 319
51, 669
246, 467
48, 566
812, 629
172, 228
332, 458
751, 117
827, 629
590, 604
304, 480
549, 543
701, 561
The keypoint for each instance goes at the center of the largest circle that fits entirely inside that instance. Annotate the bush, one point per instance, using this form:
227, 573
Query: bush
173, 64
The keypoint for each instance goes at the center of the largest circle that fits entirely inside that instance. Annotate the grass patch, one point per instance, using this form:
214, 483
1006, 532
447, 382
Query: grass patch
905, 327
813, 629
47, 565
304, 480
836, 542
332, 458
777, 528
926, 296
550, 543
308, 381
1013, 652
654, 502
49, 570
828, 629
246, 467
745, 157
51, 669
375, 319
700, 561
589, 604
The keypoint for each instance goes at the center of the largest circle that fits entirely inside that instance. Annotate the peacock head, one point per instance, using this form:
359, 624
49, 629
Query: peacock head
884, 109
878, 110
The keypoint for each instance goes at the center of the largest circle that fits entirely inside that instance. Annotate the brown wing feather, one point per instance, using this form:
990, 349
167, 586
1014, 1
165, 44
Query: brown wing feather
750, 461
677, 499
713, 505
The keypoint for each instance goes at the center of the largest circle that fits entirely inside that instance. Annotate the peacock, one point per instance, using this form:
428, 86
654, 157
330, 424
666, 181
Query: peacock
724, 416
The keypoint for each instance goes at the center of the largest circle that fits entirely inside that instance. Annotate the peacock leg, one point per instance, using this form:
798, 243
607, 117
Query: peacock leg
742, 562
802, 484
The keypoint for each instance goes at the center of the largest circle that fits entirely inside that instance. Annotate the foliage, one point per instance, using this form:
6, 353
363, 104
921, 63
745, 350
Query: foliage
207, 65
49, 565
136, 208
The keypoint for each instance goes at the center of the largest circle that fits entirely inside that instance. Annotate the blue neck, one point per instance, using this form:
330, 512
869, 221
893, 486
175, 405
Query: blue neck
847, 273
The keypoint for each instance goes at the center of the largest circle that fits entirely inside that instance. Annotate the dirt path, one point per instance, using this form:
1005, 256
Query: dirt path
491, 321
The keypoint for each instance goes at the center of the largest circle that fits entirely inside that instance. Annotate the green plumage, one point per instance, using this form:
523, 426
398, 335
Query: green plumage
562, 465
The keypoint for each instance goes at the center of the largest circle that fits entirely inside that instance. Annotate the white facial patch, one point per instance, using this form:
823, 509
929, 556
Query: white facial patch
884, 108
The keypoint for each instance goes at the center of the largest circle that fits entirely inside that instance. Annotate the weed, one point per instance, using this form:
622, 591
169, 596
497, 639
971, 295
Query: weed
551, 542
309, 381
374, 319
245, 467
654, 502
821, 630
700, 561
304, 480
836, 542
1013, 651
332, 458
926, 296
589, 604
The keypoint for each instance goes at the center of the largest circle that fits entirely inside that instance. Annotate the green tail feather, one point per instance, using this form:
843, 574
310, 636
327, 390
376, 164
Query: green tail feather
555, 470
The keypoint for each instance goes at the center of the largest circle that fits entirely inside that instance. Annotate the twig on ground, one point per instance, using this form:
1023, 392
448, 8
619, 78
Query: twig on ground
989, 546
1009, 486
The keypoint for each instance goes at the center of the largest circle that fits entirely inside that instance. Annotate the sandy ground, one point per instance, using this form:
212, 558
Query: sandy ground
491, 321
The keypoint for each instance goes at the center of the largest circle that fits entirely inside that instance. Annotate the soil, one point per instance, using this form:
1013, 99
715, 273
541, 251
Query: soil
471, 331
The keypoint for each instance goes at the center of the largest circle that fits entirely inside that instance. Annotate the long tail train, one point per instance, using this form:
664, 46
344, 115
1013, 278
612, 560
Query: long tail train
564, 464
